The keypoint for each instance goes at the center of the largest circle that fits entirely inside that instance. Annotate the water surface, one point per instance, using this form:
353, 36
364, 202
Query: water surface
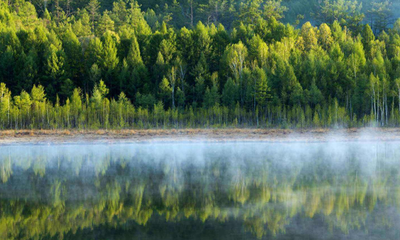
201, 191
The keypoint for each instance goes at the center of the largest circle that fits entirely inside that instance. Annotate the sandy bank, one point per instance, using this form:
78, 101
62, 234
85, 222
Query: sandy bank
196, 135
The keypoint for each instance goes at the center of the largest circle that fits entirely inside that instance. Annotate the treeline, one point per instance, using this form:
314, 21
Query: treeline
118, 69
178, 13
34, 111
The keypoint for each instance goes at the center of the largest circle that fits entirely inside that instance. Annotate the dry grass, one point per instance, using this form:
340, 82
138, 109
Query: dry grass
234, 134
185, 132
126, 133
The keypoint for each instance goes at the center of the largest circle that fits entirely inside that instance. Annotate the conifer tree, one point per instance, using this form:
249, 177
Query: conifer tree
93, 8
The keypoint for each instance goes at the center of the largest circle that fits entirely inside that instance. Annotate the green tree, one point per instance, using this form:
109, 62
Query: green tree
109, 60
346, 12
73, 57
82, 27
250, 11
325, 36
211, 97
229, 94
76, 106
54, 70
93, 8
138, 79
105, 24
5, 105
261, 87
309, 36
38, 99
258, 51
367, 39
274, 9
165, 91
380, 14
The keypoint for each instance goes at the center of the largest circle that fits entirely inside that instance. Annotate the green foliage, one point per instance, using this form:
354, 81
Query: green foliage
238, 66
347, 12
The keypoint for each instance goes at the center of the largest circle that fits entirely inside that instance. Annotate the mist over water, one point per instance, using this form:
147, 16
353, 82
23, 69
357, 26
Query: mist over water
201, 191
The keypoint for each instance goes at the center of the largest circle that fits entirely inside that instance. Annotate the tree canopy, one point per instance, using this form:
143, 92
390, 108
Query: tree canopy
240, 66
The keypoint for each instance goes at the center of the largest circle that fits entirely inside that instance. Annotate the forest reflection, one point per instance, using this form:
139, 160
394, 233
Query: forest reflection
198, 191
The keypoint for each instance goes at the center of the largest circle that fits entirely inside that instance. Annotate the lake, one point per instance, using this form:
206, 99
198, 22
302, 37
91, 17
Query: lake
302, 191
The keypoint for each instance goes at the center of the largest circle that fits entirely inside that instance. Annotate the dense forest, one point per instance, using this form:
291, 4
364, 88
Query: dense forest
216, 63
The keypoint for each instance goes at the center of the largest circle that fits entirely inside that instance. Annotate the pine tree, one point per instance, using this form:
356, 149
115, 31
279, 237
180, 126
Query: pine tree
367, 39
105, 24
229, 94
165, 91
93, 8
261, 87
109, 61
73, 52
325, 36
309, 36
139, 74
258, 51
54, 70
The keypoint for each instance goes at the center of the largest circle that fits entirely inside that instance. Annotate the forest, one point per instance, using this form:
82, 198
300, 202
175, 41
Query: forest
193, 64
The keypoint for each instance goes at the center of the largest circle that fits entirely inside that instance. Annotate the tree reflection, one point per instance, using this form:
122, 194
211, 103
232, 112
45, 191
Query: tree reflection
50, 193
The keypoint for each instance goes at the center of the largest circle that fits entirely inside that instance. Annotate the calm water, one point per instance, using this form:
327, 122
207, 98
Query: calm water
201, 191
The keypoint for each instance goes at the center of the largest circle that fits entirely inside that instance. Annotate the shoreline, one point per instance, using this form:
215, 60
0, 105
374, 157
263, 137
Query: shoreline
24, 137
